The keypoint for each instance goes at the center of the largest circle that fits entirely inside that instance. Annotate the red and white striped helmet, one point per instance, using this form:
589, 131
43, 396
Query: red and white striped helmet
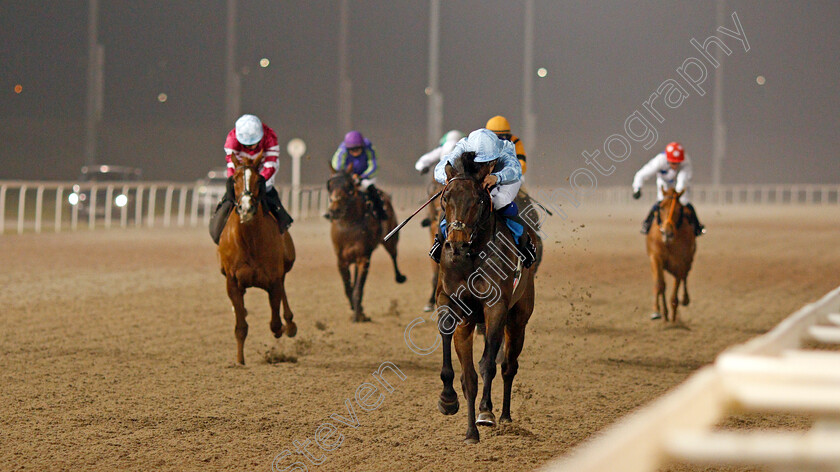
674, 152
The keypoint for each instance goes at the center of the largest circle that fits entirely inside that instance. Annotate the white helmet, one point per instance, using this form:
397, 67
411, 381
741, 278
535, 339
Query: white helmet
249, 130
485, 144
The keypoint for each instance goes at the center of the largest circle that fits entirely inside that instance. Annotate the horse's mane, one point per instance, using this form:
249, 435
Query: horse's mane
466, 166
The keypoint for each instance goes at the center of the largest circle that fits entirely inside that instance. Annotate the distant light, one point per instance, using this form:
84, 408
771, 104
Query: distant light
18, 88
428, 90
162, 97
542, 72
73, 198
121, 200
760, 80
264, 62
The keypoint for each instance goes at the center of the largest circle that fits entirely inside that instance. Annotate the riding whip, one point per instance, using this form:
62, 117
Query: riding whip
395, 230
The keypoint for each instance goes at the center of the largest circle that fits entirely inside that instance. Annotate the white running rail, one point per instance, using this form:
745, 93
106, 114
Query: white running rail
38, 206
794, 369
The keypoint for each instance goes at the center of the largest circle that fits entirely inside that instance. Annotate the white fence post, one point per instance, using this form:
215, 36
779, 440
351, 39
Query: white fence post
21, 208
59, 204
39, 211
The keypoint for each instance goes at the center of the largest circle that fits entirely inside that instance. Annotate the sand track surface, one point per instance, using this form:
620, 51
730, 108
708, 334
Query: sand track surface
118, 346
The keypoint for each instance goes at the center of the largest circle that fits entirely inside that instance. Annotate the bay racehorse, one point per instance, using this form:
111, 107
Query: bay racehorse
670, 247
481, 280
254, 253
355, 233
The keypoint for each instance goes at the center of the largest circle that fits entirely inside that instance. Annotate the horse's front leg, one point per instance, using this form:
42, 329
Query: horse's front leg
344, 270
469, 378
237, 299
275, 299
362, 266
448, 401
658, 288
495, 317
674, 300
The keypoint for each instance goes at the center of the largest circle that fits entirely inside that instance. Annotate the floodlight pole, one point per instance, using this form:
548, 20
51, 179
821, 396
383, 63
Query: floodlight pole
233, 87
345, 86
434, 123
719, 127
96, 57
529, 118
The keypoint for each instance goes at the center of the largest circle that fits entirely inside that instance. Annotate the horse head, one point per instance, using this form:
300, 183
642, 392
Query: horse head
670, 211
343, 187
247, 186
465, 202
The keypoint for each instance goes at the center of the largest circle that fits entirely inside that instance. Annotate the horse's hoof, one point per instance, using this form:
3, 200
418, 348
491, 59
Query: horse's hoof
290, 329
685, 302
448, 408
429, 307
360, 319
505, 419
400, 279
471, 441
486, 418
655, 316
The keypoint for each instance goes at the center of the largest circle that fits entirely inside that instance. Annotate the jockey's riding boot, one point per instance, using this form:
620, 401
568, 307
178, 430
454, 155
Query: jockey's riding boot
378, 206
437, 248
223, 209
284, 220
524, 245
649, 220
698, 227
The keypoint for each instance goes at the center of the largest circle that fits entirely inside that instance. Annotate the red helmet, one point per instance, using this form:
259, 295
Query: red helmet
674, 152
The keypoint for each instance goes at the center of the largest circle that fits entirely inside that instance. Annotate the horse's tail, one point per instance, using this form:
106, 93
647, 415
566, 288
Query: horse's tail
288, 252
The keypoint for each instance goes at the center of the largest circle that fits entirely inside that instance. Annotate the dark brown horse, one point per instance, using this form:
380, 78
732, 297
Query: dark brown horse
253, 253
355, 233
670, 247
481, 280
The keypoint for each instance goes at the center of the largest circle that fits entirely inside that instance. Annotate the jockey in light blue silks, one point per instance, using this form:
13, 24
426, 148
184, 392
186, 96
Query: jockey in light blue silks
503, 182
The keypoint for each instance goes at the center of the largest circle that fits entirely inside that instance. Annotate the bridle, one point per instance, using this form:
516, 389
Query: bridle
458, 225
247, 195
671, 210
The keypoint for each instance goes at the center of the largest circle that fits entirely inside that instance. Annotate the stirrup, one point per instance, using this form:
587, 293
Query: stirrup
527, 248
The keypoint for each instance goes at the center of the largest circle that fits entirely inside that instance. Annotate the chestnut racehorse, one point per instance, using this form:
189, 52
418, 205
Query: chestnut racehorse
253, 253
355, 233
670, 246
478, 283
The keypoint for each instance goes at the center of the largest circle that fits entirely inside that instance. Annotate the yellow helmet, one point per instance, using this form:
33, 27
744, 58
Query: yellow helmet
498, 124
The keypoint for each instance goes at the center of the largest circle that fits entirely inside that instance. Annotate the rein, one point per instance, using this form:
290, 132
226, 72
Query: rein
671, 214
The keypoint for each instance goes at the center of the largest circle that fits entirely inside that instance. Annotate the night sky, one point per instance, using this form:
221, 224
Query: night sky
604, 59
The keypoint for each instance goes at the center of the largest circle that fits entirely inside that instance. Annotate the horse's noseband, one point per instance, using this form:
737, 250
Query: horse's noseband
457, 225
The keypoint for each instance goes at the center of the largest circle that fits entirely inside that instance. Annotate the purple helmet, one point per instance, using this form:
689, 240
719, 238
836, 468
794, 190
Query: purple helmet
354, 139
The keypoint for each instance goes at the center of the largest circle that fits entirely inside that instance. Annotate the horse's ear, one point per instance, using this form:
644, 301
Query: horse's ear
680, 193
664, 190
235, 161
450, 171
349, 168
257, 160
